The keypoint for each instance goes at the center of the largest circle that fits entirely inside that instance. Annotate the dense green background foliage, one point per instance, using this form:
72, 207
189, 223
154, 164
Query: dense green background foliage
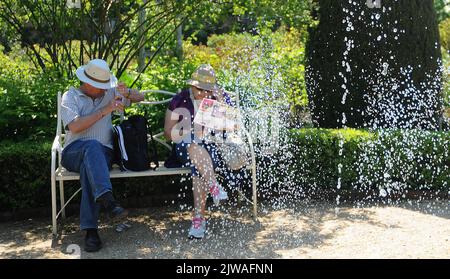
28, 101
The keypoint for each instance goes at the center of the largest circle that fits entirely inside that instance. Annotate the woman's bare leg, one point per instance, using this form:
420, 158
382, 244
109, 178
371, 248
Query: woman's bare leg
202, 161
199, 195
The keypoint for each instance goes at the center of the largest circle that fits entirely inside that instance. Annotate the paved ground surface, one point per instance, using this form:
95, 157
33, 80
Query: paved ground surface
418, 229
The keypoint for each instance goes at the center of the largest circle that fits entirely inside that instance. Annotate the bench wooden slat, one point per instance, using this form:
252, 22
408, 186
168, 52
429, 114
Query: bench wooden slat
62, 174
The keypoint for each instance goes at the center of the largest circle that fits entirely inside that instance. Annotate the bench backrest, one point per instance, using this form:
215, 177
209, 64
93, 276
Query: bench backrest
157, 137
60, 128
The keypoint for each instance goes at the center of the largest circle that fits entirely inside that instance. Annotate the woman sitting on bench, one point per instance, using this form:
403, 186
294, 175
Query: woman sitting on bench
190, 145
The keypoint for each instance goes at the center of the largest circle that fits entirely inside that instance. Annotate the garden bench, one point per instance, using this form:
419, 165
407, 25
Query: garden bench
60, 174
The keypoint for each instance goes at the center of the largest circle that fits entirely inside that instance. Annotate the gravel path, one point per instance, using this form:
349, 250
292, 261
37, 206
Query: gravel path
306, 230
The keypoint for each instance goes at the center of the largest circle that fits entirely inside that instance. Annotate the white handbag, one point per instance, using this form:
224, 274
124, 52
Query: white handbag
234, 152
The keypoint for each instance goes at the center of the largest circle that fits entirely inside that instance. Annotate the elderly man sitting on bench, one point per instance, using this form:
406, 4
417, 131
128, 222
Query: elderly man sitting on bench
86, 115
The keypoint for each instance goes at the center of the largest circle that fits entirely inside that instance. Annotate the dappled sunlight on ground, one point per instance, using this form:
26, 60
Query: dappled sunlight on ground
307, 230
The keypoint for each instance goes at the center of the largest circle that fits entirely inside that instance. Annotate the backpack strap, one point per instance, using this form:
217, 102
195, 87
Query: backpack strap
119, 148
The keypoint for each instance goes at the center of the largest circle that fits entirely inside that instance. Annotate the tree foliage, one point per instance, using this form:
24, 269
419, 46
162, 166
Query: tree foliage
61, 37
442, 9
253, 16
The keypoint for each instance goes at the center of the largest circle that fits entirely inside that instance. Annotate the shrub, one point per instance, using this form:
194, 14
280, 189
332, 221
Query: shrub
28, 98
260, 69
446, 80
265, 68
25, 179
444, 32
28, 101
317, 160
363, 161
25, 175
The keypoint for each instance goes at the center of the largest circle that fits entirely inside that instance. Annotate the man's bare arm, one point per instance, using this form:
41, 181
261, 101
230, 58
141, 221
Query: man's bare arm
135, 96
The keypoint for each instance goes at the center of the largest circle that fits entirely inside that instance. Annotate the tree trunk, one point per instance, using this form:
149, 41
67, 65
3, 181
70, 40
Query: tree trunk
375, 65
180, 42
141, 56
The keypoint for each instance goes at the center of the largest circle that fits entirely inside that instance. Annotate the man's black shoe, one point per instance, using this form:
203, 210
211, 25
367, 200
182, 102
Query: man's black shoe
105, 199
112, 207
92, 242
116, 212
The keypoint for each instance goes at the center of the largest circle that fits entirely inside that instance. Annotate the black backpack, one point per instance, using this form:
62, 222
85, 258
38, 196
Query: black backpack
131, 145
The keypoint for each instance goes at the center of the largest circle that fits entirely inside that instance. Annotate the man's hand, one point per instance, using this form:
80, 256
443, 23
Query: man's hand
122, 89
80, 124
132, 94
114, 105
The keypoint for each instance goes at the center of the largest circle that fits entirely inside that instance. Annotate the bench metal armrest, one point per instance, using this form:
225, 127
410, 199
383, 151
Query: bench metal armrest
56, 146
56, 151
163, 92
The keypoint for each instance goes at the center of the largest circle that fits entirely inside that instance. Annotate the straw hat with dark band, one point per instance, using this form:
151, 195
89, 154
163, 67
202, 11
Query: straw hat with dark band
97, 74
204, 78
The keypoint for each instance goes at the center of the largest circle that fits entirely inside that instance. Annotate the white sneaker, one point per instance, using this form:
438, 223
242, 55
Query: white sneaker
198, 228
218, 193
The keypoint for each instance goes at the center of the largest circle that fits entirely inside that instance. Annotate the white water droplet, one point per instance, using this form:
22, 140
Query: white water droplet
385, 69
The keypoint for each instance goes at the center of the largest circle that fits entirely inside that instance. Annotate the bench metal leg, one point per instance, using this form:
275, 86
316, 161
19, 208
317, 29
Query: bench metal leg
53, 190
254, 184
254, 196
255, 201
61, 198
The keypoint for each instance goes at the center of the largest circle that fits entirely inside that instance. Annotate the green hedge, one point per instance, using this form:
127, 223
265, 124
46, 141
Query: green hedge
384, 162
24, 175
25, 179
369, 161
